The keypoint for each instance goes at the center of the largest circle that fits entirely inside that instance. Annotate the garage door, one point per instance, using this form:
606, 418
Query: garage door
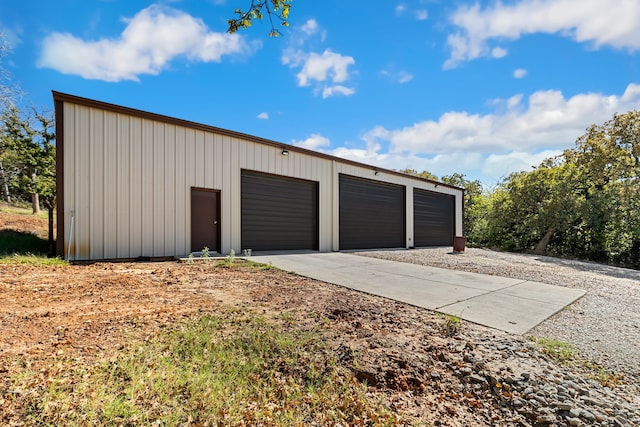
433, 218
278, 213
372, 214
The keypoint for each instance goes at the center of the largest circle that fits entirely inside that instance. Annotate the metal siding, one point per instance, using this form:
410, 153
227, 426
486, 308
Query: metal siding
372, 214
97, 184
200, 161
135, 188
123, 186
234, 190
180, 191
82, 183
147, 189
69, 183
170, 204
226, 197
156, 211
111, 184
434, 218
218, 162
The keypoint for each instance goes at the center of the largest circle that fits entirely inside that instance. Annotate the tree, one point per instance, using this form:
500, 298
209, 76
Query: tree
607, 162
423, 174
8, 93
584, 203
474, 204
28, 150
277, 10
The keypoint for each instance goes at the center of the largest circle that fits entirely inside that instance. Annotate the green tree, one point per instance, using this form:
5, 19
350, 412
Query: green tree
475, 203
8, 93
607, 162
584, 203
276, 10
423, 174
28, 150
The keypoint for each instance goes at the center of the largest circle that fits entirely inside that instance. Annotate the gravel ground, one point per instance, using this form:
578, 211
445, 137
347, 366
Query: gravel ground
604, 324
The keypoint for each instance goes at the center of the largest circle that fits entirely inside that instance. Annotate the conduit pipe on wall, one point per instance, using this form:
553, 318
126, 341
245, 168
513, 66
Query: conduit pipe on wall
70, 237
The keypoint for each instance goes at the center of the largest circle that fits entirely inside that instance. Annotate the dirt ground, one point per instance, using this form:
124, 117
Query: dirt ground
407, 355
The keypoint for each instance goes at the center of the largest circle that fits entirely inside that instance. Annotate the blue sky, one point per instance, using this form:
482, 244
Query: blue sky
481, 88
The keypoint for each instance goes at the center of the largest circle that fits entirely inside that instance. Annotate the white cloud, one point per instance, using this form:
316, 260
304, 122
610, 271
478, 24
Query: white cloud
519, 73
519, 134
398, 77
152, 38
314, 142
498, 52
263, 116
326, 72
546, 120
594, 21
500, 166
337, 90
404, 77
421, 15
326, 66
400, 9
310, 27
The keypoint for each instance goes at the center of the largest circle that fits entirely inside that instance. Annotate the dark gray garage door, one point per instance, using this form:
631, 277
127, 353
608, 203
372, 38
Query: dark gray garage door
372, 214
278, 213
433, 218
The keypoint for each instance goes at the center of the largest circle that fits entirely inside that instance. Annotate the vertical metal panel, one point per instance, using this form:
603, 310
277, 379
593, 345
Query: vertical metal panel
157, 212
182, 197
82, 219
169, 184
124, 183
96, 182
147, 188
111, 207
234, 190
69, 171
136, 187
200, 160
433, 218
218, 162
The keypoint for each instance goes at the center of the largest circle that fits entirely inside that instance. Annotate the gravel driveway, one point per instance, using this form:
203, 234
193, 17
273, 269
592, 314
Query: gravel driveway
604, 325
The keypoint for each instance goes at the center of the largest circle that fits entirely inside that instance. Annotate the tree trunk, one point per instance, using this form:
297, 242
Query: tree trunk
35, 199
5, 185
541, 247
35, 203
52, 246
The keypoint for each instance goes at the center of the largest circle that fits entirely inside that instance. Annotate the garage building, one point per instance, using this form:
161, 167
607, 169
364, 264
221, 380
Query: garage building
133, 184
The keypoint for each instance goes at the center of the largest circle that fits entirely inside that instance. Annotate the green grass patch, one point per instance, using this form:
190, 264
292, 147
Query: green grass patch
21, 210
607, 378
451, 325
30, 259
231, 370
560, 351
14, 242
565, 353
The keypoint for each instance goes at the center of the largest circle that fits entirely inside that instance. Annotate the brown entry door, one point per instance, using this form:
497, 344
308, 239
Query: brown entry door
205, 223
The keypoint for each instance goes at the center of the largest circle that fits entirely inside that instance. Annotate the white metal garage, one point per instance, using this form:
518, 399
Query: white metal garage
136, 184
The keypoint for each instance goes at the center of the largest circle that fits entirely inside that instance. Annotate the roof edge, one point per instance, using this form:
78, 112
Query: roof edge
65, 97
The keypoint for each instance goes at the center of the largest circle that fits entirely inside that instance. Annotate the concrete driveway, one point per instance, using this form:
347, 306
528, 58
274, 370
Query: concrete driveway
510, 305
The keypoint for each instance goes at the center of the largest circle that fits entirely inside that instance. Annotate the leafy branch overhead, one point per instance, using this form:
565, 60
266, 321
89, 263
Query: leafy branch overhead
275, 10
